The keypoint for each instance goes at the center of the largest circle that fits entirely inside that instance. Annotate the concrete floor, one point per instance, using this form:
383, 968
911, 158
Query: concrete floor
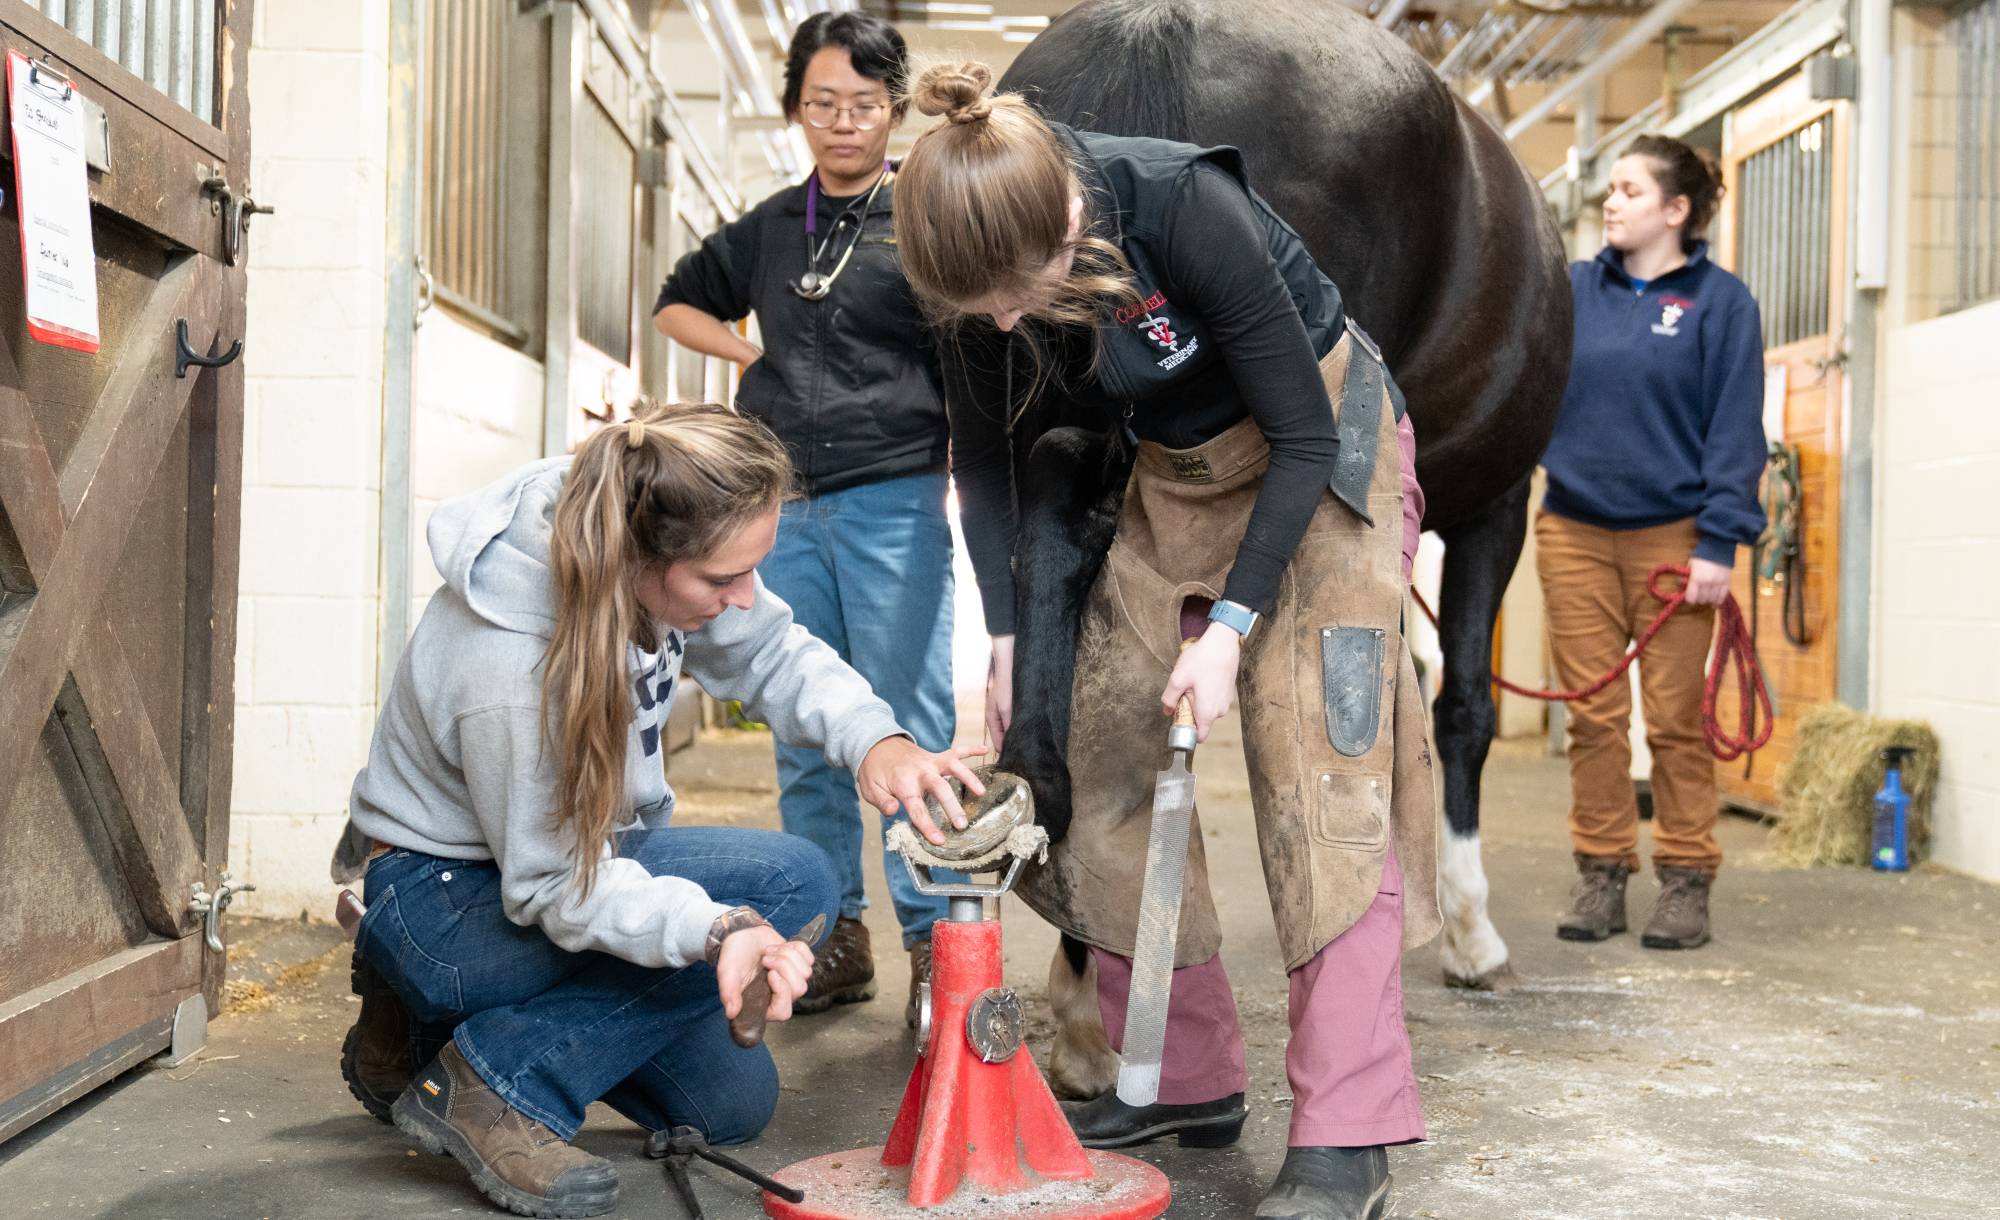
1835, 1052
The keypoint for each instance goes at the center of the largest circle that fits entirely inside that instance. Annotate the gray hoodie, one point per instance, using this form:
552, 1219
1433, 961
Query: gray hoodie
458, 767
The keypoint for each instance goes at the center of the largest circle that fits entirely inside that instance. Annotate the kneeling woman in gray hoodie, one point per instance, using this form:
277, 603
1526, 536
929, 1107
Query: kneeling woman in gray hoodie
554, 940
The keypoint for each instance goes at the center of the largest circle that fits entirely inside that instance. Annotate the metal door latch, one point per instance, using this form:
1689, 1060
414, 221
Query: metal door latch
235, 212
201, 902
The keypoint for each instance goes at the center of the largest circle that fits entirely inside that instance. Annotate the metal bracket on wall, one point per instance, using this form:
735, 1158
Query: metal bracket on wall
190, 1032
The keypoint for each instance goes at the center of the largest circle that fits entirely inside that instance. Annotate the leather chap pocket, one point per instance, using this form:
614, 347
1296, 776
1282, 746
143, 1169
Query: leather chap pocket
1350, 810
1351, 681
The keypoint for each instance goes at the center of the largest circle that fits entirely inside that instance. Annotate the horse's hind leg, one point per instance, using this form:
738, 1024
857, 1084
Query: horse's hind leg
1479, 558
1081, 1062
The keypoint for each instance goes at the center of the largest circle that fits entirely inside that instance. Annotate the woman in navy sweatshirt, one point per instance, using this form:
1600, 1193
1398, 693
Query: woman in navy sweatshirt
1655, 460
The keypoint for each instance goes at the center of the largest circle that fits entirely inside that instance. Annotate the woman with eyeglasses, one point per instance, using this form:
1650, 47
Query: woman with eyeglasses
849, 380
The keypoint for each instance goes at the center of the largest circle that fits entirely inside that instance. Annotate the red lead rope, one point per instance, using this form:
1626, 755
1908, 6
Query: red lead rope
1732, 648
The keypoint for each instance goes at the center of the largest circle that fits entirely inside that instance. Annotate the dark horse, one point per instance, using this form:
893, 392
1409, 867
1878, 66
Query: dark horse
1444, 251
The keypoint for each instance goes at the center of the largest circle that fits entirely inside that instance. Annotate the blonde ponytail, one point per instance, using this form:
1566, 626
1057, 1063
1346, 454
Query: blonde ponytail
673, 484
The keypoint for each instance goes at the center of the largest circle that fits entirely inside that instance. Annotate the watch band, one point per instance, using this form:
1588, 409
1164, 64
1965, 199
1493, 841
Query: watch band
735, 919
1239, 619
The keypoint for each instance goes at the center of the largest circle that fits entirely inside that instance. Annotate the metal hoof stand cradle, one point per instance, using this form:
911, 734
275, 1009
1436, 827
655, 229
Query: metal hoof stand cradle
979, 1133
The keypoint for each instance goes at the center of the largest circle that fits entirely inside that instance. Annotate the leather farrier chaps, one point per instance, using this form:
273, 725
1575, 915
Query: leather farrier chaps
1333, 723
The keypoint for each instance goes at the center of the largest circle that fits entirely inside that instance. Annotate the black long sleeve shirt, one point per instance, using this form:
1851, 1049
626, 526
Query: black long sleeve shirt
1226, 261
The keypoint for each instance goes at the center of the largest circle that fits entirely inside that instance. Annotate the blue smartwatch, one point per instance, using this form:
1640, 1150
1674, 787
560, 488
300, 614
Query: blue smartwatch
1237, 618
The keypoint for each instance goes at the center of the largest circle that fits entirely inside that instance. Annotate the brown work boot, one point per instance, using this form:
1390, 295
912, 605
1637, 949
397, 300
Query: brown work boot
520, 1164
920, 973
1598, 909
375, 1059
843, 970
1680, 914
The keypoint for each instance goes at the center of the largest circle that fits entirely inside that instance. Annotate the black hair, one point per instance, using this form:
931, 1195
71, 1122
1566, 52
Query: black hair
1682, 169
875, 47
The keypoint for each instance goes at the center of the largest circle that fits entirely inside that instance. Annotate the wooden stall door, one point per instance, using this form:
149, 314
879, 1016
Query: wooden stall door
119, 497
1783, 231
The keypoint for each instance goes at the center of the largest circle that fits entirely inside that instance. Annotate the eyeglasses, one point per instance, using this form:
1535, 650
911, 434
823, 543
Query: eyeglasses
866, 117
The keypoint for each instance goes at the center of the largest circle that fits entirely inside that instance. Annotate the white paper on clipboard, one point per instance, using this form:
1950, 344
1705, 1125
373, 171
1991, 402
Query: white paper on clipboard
52, 189
1777, 384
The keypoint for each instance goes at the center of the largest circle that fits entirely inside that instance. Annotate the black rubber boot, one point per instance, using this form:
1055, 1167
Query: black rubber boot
1106, 1122
375, 1060
1329, 1184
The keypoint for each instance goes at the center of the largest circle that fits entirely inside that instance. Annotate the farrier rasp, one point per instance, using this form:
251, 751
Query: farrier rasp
1159, 916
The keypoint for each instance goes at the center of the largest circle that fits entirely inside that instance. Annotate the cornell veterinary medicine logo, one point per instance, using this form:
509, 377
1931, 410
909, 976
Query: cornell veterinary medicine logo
1671, 309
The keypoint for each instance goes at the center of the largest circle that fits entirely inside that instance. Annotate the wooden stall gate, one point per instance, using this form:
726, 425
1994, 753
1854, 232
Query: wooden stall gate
1784, 232
120, 484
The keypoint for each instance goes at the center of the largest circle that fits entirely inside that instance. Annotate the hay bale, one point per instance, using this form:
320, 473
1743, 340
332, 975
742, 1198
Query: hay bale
1827, 792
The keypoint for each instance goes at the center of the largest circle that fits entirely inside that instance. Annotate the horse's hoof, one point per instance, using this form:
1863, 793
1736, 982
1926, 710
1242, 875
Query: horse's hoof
1500, 980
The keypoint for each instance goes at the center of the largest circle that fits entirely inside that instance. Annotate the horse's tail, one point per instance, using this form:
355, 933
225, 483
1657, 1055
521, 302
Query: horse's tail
1113, 68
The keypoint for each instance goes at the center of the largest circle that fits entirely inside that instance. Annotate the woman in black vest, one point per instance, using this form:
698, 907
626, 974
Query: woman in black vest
1165, 300
848, 380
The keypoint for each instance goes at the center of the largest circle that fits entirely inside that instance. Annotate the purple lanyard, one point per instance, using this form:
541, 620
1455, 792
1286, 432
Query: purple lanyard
812, 200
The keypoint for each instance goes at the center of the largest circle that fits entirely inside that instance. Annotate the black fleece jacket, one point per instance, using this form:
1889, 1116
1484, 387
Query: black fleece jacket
1233, 320
851, 384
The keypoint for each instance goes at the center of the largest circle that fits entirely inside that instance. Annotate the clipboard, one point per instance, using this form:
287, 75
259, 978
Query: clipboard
52, 194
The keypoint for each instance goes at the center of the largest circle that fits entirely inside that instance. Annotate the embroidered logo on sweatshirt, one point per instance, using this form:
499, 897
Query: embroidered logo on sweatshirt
1671, 309
1160, 331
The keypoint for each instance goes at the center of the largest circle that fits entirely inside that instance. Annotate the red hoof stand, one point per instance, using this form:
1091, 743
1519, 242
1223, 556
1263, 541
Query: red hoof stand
961, 1118
992, 1128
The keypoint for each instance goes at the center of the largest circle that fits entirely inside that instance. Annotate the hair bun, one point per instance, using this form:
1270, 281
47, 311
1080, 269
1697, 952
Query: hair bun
956, 91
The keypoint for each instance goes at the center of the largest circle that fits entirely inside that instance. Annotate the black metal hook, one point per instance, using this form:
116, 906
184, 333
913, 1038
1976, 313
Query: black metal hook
186, 355
35, 78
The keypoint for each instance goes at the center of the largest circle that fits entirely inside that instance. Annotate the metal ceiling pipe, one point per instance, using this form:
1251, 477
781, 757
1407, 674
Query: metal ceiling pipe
1392, 12
1503, 61
722, 27
778, 21
1657, 18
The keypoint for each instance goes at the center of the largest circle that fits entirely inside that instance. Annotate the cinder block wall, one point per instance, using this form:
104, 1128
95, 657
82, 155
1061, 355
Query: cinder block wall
305, 664
1938, 600
1937, 567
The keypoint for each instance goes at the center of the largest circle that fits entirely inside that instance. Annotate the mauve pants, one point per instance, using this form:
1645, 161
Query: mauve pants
1353, 1084
1352, 1080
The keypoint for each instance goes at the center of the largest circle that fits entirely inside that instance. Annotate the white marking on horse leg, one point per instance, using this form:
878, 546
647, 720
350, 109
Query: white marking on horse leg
1081, 1061
1471, 950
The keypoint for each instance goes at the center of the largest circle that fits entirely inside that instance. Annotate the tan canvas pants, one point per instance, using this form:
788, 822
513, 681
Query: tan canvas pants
1594, 585
1333, 724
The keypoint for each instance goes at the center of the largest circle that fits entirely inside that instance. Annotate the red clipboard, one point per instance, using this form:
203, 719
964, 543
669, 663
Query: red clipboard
51, 203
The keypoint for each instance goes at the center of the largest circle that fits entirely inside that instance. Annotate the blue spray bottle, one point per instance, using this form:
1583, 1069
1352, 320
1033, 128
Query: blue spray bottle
1892, 816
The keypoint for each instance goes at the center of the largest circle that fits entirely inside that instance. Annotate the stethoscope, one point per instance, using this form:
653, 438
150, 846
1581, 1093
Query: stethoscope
812, 285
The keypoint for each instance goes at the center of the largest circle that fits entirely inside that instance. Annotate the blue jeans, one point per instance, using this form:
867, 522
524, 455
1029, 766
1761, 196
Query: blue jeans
552, 1031
868, 571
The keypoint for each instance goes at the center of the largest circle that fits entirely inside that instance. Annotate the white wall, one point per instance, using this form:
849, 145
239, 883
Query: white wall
1936, 631
475, 414
305, 664
1938, 573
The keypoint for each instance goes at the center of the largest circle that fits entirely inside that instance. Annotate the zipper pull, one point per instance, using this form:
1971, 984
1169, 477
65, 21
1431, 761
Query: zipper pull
1131, 437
